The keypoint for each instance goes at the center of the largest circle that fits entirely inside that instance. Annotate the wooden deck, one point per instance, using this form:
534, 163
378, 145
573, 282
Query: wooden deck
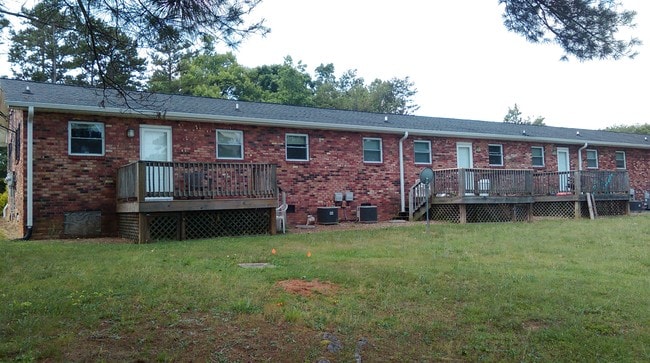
205, 191
464, 187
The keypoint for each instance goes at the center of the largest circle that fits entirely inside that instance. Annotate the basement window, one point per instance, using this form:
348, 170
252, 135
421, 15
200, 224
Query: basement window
85, 138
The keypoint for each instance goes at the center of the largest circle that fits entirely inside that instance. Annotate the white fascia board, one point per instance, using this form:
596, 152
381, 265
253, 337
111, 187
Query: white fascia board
211, 118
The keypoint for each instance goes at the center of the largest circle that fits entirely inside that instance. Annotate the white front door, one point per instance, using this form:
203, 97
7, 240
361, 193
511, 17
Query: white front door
156, 145
563, 167
464, 160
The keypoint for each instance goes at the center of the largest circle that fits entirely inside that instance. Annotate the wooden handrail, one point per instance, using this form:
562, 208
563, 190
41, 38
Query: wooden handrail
194, 180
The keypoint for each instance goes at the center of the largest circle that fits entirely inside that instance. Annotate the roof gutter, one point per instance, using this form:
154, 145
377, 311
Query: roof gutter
401, 172
183, 116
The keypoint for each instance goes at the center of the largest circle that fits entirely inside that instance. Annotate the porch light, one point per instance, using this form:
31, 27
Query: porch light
130, 132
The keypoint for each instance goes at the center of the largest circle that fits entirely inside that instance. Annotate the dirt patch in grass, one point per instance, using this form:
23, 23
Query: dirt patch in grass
194, 337
307, 288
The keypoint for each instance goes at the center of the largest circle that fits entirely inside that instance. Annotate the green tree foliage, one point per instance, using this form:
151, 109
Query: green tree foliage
585, 29
219, 75
41, 51
52, 47
643, 129
151, 22
166, 58
514, 117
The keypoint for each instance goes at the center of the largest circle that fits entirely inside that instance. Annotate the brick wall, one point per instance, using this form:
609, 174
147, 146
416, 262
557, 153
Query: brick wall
64, 183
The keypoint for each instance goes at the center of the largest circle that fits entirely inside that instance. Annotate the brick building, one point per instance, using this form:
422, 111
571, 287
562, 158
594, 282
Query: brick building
67, 145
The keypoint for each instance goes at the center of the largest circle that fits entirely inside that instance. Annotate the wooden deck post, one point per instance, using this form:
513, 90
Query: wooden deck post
462, 213
274, 225
143, 228
141, 181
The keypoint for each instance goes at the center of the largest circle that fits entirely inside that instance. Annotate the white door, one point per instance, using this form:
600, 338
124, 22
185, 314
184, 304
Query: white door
156, 145
464, 160
563, 167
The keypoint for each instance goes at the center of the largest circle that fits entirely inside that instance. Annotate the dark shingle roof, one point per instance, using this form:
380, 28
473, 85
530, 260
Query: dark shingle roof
45, 96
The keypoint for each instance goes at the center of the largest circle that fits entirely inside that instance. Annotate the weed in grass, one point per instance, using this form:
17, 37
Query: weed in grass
245, 306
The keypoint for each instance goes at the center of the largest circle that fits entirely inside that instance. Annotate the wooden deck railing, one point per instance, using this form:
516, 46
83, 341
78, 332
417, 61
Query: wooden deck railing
178, 180
450, 183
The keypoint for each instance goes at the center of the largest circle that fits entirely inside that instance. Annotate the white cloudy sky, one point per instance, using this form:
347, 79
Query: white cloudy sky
462, 60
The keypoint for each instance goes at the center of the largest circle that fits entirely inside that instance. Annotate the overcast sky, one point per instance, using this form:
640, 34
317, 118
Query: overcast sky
463, 61
459, 55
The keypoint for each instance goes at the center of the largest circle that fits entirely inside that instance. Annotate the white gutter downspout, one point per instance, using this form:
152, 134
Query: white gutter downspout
580, 156
30, 172
401, 171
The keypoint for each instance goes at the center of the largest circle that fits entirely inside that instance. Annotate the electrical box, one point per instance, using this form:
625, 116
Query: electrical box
349, 196
338, 197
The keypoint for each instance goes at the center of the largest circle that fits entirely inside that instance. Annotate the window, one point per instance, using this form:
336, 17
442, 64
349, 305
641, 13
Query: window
85, 138
537, 154
592, 159
495, 154
230, 144
372, 150
620, 160
297, 146
422, 151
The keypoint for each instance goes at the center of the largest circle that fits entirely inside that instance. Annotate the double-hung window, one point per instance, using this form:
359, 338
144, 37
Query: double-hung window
592, 159
230, 144
86, 138
620, 160
537, 156
422, 151
495, 154
372, 150
297, 147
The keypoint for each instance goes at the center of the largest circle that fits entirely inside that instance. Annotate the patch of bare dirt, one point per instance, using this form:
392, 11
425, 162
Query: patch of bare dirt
307, 288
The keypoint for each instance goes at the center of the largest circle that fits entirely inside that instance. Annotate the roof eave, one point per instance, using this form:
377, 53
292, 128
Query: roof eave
184, 116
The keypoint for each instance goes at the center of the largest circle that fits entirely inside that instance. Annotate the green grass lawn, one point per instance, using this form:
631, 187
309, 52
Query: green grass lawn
555, 290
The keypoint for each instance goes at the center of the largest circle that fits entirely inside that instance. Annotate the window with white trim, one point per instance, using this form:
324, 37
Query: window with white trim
230, 144
372, 150
592, 159
422, 150
537, 156
297, 147
85, 138
495, 154
620, 160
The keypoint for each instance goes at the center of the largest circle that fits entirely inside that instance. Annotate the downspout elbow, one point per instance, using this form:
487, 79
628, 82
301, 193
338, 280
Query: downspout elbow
580, 155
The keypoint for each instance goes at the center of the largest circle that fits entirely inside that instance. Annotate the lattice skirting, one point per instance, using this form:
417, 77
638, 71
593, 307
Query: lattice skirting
564, 209
128, 225
606, 208
482, 213
194, 225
